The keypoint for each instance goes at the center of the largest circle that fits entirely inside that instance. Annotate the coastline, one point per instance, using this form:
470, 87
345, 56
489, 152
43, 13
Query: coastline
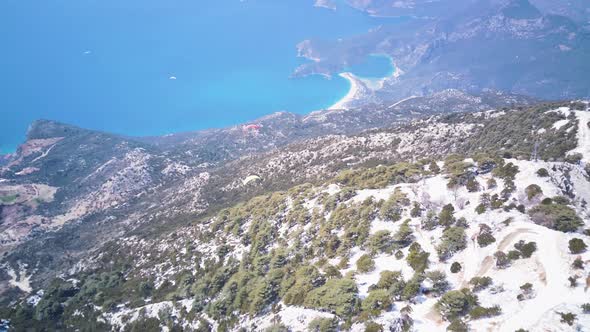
361, 85
352, 92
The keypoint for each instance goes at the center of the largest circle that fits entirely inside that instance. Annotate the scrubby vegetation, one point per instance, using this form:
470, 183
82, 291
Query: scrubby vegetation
480, 283
577, 246
453, 240
556, 216
455, 304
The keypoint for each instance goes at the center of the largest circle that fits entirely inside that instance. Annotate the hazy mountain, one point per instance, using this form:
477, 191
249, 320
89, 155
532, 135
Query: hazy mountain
503, 45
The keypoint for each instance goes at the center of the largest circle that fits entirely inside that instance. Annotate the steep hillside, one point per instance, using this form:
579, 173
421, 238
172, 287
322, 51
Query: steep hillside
456, 220
68, 190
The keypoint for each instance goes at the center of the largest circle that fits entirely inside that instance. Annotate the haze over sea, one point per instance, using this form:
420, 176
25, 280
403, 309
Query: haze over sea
152, 67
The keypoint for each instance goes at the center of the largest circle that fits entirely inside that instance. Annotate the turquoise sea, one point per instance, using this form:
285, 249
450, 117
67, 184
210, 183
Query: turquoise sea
152, 67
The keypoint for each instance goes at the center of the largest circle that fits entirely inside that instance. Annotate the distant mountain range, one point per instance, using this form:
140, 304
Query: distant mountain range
511, 46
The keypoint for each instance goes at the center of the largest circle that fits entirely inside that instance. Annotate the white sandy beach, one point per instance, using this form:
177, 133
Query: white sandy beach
352, 92
358, 84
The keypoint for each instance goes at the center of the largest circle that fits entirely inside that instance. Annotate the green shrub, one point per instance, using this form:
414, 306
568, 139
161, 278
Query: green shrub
573, 281
561, 200
456, 303
578, 263
526, 292
567, 318
373, 327
446, 217
485, 237
330, 271
458, 325
455, 267
433, 167
144, 324
393, 207
533, 191
480, 209
323, 325
514, 255
337, 295
472, 185
365, 264
542, 172
306, 278
416, 210
277, 327
387, 279
377, 301
502, 260
526, 249
462, 222
417, 258
411, 288
480, 283
430, 221
492, 183
479, 312
556, 216
453, 240
577, 246
507, 171
404, 235
439, 282
574, 158
586, 308
381, 242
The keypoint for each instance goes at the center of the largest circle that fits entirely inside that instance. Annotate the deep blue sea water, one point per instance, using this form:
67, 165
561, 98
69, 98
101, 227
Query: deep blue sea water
108, 64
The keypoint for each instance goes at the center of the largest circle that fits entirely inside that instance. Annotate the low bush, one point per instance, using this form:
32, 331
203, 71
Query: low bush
337, 295
453, 240
387, 279
479, 312
456, 303
567, 318
323, 325
578, 263
458, 325
417, 258
502, 260
373, 327
526, 249
439, 282
577, 246
533, 191
480, 283
377, 301
485, 237
542, 172
556, 216
365, 264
